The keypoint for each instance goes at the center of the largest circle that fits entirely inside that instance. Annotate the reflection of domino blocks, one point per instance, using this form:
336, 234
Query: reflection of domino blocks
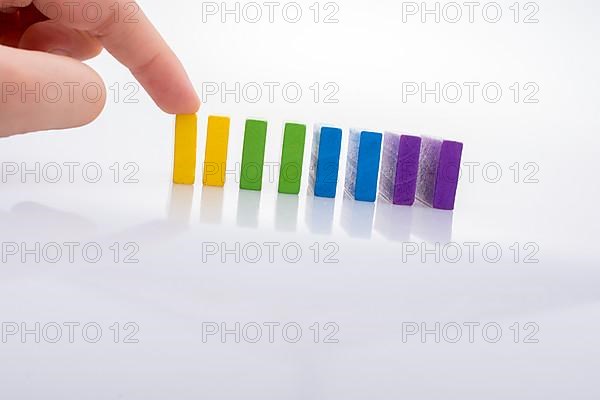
400, 168
253, 156
439, 169
362, 168
186, 132
215, 160
292, 158
325, 161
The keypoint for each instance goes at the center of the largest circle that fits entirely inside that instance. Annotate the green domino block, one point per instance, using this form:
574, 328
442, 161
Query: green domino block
253, 155
292, 157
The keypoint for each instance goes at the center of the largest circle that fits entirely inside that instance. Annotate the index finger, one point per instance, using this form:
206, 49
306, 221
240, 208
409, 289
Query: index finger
125, 31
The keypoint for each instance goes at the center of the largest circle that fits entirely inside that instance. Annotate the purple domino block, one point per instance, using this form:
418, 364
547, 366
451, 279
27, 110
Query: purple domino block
439, 169
400, 168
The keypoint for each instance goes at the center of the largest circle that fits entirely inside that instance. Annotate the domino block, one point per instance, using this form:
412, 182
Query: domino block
292, 158
439, 169
325, 161
186, 133
362, 168
400, 168
253, 156
215, 159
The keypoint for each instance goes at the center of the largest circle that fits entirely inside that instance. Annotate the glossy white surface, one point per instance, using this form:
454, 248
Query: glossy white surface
170, 293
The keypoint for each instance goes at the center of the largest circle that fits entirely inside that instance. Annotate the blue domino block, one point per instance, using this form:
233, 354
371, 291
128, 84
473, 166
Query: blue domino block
362, 171
325, 164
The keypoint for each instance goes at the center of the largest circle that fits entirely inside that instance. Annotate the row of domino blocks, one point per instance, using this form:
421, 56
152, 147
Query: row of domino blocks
409, 167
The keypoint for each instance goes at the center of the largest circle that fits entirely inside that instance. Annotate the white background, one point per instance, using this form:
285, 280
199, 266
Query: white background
370, 292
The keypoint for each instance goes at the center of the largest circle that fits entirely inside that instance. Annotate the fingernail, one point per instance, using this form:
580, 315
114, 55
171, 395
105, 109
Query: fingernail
60, 52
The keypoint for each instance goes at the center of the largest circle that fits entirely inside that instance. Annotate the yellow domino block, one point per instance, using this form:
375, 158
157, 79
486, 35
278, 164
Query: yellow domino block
215, 160
186, 132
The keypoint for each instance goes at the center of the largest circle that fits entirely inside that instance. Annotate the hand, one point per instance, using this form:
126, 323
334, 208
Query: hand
42, 44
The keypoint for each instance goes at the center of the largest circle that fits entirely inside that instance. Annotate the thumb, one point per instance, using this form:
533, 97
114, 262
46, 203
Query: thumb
41, 91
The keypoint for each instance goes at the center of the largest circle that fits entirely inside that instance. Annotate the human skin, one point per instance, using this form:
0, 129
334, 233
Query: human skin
43, 44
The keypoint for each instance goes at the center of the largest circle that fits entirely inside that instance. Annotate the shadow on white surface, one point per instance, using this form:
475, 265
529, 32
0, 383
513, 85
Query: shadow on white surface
286, 213
319, 215
357, 218
181, 204
211, 211
248, 209
431, 225
393, 222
